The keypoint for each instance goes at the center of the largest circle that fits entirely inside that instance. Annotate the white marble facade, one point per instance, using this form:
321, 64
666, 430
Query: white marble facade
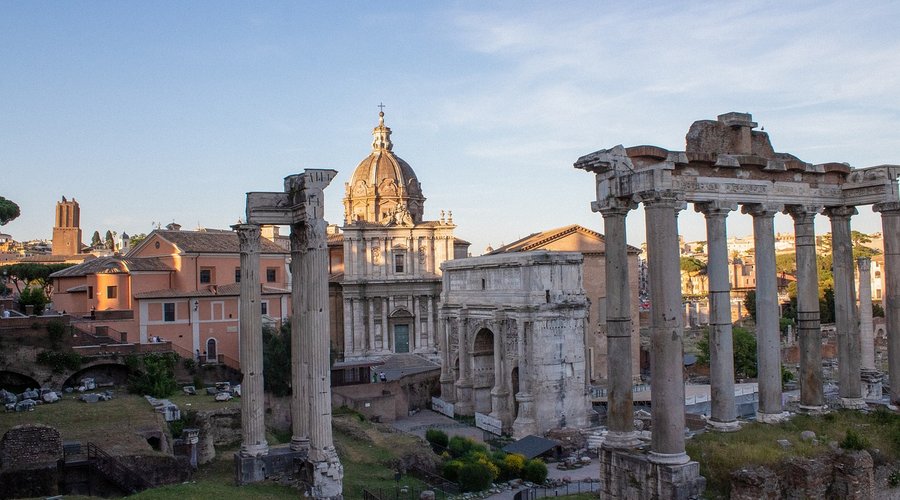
513, 340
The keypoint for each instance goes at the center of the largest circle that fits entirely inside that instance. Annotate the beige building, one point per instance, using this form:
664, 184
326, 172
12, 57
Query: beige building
575, 238
391, 268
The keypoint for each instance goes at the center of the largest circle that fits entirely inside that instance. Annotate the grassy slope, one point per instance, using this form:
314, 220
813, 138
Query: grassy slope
756, 444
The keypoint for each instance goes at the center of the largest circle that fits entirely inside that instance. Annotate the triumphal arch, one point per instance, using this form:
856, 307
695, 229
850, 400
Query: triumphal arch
728, 165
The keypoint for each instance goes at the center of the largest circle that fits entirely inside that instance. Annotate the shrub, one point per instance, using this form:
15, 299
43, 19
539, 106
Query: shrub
451, 470
156, 375
189, 364
854, 441
512, 465
56, 329
535, 471
460, 446
438, 439
475, 476
60, 361
33, 296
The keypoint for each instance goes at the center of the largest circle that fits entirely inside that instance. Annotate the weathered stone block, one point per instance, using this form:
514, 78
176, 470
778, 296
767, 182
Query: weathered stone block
854, 476
755, 483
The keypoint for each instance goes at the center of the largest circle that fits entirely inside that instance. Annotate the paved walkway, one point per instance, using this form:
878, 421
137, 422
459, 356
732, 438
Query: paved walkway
426, 419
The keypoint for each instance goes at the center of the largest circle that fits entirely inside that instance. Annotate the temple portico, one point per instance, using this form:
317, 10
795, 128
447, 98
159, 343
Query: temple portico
727, 164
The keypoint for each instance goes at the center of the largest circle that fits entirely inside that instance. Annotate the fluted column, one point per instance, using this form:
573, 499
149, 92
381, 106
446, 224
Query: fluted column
524, 424
620, 397
723, 416
299, 370
464, 401
666, 328
309, 247
845, 315
866, 333
890, 230
809, 329
768, 337
253, 420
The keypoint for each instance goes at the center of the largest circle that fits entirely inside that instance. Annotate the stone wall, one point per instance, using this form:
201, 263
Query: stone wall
217, 428
630, 475
844, 474
30, 446
159, 469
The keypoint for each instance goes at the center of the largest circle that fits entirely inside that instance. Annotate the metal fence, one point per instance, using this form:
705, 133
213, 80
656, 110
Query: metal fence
559, 490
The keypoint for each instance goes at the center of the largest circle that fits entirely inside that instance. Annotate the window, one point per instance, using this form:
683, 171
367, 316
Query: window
237, 275
271, 274
265, 307
399, 258
112, 292
206, 275
90, 292
169, 311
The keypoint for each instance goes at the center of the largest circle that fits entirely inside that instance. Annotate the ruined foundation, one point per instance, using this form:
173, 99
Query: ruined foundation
630, 474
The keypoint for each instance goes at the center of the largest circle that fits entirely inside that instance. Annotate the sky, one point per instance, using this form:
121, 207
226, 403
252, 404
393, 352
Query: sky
154, 112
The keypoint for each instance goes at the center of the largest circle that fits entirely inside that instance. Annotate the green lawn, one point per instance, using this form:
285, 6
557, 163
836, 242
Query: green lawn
757, 444
113, 425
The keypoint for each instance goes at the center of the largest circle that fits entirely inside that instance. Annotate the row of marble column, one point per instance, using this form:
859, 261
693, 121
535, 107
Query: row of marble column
666, 349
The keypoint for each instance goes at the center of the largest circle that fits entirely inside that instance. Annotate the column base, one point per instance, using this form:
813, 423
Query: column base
854, 403
618, 440
524, 427
715, 425
668, 458
255, 450
324, 476
771, 418
872, 385
813, 409
280, 461
299, 444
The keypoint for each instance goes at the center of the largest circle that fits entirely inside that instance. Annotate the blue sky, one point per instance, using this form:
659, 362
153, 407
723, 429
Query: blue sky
153, 111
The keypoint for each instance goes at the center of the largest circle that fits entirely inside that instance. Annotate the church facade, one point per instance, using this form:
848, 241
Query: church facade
392, 258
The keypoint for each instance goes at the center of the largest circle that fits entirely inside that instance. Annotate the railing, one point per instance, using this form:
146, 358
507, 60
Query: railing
368, 495
115, 471
558, 491
434, 481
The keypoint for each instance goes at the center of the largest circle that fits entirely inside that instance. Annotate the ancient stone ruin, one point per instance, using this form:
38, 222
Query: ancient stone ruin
727, 163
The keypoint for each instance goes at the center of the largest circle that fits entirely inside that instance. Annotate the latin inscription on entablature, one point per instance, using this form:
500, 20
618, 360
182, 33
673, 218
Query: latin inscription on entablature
784, 192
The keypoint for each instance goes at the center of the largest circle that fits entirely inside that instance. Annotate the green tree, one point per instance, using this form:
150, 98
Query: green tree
277, 359
95, 240
23, 274
750, 303
153, 375
109, 240
744, 343
8, 211
33, 296
786, 263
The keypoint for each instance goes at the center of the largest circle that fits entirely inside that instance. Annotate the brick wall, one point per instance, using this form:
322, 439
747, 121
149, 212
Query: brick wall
30, 446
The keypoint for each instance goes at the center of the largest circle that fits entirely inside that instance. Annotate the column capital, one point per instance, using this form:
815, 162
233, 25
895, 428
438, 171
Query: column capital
802, 214
767, 210
840, 212
248, 235
716, 208
887, 208
662, 198
864, 263
612, 207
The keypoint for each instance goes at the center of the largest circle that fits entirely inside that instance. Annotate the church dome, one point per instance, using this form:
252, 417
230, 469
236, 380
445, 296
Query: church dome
383, 189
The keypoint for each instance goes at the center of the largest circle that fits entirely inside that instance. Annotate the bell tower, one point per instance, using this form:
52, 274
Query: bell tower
67, 230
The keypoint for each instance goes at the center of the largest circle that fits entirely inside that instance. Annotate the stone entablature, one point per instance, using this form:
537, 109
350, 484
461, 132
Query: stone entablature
513, 332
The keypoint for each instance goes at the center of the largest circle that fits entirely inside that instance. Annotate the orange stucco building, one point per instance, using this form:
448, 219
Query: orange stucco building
178, 286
